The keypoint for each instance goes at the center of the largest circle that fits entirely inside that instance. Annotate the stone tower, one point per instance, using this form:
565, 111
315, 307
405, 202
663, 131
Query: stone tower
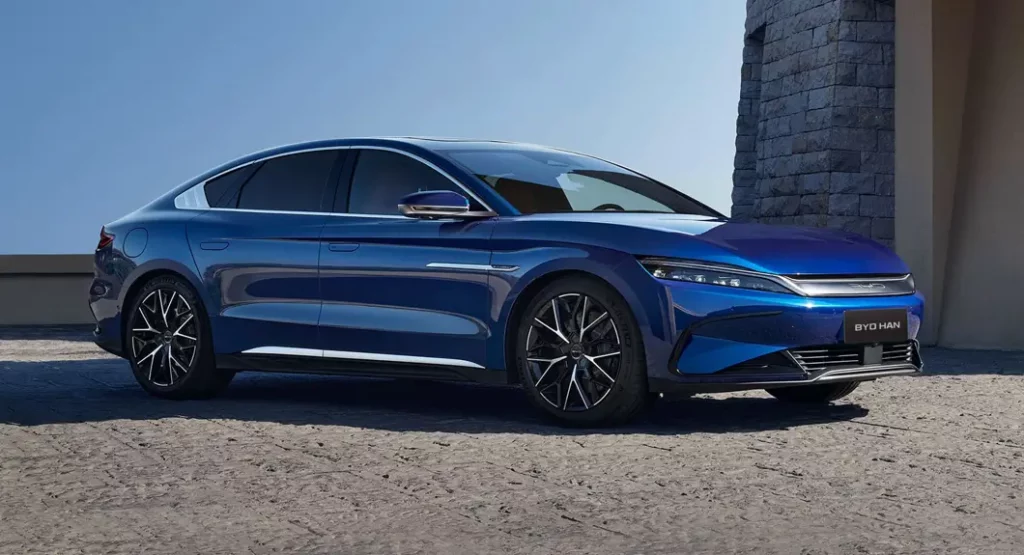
814, 135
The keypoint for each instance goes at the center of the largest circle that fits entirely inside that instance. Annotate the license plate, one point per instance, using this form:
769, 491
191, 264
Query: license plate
887, 325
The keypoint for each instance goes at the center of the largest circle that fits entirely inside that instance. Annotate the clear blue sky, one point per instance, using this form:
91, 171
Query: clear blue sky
108, 103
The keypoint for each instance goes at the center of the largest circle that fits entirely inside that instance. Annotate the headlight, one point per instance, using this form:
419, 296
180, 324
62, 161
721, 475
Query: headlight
711, 274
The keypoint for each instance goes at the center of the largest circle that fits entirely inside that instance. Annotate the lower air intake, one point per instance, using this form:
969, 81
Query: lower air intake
832, 357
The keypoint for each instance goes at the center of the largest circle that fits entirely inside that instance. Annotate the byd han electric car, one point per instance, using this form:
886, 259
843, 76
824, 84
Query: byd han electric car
594, 287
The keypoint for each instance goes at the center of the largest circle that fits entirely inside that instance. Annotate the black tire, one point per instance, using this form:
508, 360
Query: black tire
814, 394
594, 395
157, 346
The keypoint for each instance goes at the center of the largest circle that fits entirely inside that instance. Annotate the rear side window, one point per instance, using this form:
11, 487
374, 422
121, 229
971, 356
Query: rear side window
381, 178
222, 192
292, 183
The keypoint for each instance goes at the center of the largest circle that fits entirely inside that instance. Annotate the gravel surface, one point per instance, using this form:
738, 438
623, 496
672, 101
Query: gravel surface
90, 464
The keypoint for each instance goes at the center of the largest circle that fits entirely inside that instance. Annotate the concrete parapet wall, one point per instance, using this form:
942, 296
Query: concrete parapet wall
45, 289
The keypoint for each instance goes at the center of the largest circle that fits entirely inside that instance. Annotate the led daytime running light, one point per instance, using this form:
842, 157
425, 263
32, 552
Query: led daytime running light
716, 275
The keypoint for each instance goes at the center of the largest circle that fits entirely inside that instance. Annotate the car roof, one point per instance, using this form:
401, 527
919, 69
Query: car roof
444, 143
438, 144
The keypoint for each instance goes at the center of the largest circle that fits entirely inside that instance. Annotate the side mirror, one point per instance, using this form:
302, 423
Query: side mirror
438, 204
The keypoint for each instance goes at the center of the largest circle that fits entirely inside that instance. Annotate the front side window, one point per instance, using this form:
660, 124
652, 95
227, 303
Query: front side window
540, 180
293, 183
381, 178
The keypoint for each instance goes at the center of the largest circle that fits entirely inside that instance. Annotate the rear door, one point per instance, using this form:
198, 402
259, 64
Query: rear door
258, 251
399, 290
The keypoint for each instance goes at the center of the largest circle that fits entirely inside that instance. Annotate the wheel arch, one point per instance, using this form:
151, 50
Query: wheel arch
146, 273
524, 294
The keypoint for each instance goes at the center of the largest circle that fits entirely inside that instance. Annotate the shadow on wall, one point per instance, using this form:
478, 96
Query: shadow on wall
955, 362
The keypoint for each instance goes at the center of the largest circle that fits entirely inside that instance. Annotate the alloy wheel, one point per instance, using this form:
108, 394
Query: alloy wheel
164, 337
573, 351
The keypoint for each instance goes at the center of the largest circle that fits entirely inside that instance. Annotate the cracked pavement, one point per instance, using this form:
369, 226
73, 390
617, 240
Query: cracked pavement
90, 464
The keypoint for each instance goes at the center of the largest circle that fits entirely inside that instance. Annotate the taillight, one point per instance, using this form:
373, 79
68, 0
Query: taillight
105, 239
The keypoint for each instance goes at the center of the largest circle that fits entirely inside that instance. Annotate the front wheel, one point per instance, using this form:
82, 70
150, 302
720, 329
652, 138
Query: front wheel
580, 355
822, 393
169, 343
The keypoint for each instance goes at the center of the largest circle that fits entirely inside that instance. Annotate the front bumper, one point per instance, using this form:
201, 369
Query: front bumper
729, 339
786, 369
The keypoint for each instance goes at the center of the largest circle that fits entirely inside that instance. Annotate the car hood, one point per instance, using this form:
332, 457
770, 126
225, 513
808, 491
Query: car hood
777, 249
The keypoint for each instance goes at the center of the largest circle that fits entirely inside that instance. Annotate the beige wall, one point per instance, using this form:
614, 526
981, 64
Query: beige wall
959, 152
45, 290
984, 293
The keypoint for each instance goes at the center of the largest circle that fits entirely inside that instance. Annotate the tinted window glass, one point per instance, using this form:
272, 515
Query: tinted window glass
222, 192
294, 183
381, 178
540, 180
216, 188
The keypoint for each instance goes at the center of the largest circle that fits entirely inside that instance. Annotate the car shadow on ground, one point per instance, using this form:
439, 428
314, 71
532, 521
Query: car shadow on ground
39, 393
53, 392
47, 333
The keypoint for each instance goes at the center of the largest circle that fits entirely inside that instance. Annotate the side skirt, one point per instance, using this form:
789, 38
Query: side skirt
358, 368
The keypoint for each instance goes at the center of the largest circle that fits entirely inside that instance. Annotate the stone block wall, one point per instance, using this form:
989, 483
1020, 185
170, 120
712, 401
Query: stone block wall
814, 133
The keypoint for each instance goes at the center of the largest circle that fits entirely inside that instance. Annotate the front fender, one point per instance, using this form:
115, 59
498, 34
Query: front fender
647, 300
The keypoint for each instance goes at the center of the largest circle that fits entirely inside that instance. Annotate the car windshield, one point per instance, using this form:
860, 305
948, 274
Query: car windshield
538, 181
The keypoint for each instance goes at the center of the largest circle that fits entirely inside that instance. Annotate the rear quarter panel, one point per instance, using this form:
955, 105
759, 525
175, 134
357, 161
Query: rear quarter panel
117, 273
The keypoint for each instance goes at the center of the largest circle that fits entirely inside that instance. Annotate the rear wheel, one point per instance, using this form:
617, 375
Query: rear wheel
168, 342
822, 393
580, 356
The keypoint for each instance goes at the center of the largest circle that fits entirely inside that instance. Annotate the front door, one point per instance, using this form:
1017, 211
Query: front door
258, 253
398, 290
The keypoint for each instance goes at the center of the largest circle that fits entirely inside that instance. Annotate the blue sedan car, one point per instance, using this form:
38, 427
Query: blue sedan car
592, 286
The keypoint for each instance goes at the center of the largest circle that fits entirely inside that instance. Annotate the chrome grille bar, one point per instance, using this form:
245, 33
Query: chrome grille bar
853, 286
818, 359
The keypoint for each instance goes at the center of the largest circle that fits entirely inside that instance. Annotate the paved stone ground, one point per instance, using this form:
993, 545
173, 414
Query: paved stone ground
90, 464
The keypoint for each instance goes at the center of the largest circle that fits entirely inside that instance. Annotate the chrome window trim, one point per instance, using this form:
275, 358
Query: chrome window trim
194, 198
847, 286
300, 213
442, 213
199, 189
359, 355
